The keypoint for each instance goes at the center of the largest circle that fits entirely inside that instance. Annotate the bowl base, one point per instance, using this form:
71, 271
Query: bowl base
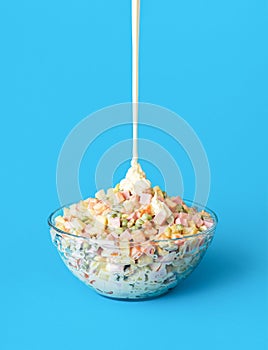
137, 299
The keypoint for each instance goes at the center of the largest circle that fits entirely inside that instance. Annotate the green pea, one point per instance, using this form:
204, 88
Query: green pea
146, 217
124, 222
139, 222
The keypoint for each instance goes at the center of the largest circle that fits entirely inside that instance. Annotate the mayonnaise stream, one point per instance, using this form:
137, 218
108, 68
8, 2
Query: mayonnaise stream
135, 73
135, 180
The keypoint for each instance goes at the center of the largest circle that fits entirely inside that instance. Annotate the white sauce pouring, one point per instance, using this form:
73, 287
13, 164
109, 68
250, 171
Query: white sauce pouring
135, 75
135, 180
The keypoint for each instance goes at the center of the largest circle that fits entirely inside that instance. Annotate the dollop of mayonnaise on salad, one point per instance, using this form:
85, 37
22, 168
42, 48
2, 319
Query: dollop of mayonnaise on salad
135, 180
137, 183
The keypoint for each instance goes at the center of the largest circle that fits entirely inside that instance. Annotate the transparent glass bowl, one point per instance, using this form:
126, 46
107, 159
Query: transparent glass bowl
106, 266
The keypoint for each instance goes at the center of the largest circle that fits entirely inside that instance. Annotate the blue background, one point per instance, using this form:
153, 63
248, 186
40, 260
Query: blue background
207, 61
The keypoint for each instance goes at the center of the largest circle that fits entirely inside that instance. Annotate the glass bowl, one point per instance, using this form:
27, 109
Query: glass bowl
109, 268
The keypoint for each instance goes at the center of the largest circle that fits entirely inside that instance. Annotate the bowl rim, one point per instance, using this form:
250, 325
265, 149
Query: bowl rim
96, 241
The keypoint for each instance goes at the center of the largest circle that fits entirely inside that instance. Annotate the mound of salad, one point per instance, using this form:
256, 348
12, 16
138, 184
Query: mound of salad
132, 241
